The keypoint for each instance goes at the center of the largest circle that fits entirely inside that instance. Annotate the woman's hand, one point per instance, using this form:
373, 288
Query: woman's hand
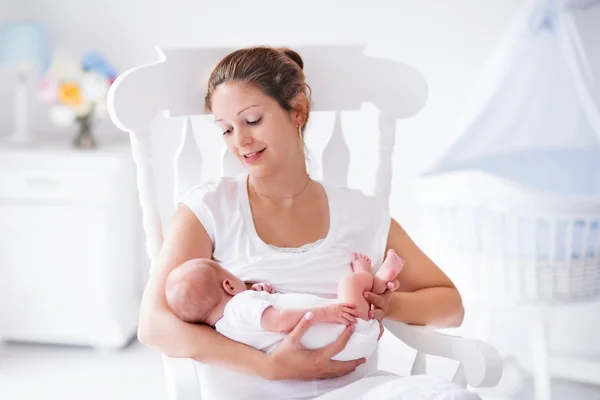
291, 360
380, 304
392, 286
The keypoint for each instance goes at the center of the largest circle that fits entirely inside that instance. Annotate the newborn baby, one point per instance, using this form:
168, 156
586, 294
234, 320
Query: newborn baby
201, 291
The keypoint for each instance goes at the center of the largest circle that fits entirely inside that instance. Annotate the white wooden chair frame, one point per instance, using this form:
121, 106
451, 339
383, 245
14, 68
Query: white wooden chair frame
176, 84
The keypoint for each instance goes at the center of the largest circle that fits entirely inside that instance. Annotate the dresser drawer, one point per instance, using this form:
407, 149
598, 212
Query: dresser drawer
56, 184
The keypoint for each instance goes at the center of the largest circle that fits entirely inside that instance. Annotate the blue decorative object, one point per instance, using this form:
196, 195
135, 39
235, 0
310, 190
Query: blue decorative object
24, 44
97, 62
24, 48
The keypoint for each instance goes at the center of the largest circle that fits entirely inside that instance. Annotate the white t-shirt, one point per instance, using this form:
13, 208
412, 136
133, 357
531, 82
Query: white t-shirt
357, 223
242, 318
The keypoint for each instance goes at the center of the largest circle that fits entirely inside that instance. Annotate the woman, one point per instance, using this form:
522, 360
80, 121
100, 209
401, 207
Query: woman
256, 226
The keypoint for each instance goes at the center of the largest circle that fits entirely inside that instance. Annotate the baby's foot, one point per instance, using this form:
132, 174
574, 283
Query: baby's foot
388, 272
360, 262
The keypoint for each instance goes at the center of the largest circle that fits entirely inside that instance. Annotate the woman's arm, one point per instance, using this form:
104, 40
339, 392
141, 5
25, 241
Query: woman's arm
161, 329
426, 296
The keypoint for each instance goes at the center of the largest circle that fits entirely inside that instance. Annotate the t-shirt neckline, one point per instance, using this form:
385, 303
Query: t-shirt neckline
251, 228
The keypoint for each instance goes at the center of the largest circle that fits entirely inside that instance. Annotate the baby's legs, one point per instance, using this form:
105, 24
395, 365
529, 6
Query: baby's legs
387, 272
351, 289
352, 286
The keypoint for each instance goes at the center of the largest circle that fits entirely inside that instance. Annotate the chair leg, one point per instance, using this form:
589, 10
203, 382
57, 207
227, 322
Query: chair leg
540, 357
513, 374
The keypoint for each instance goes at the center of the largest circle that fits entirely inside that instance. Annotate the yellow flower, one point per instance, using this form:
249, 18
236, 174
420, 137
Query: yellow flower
70, 94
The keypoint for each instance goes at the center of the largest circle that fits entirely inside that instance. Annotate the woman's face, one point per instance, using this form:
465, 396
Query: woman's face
261, 134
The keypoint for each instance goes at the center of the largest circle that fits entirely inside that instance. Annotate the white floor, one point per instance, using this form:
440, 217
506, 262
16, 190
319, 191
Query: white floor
32, 372
68, 373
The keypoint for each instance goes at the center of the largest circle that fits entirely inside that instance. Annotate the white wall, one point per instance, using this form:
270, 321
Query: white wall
9, 9
447, 41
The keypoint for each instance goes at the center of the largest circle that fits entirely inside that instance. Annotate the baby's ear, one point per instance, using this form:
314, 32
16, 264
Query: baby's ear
228, 287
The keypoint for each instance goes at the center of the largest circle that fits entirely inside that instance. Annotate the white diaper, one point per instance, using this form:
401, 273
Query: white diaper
362, 343
242, 322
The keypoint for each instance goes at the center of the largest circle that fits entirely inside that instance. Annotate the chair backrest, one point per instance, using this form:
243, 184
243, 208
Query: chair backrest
342, 78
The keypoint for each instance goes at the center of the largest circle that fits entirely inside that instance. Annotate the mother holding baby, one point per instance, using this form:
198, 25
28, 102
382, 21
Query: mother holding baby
275, 224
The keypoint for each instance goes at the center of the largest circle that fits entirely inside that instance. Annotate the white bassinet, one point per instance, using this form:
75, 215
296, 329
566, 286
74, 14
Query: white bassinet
512, 210
522, 231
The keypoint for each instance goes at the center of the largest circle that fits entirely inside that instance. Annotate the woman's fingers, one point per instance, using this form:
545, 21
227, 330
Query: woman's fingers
377, 300
340, 343
381, 330
376, 313
394, 285
301, 327
378, 305
340, 368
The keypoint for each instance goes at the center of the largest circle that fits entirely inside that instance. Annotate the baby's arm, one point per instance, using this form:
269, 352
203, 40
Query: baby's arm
283, 321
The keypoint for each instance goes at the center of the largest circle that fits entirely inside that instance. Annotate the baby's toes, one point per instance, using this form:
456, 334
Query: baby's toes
363, 257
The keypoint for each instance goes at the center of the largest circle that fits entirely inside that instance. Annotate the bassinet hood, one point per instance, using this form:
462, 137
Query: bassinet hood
538, 121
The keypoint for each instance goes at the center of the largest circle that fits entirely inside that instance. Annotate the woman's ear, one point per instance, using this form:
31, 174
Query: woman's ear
228, 287
300, 107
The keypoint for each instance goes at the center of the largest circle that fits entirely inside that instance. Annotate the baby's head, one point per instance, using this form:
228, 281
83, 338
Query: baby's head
198, 290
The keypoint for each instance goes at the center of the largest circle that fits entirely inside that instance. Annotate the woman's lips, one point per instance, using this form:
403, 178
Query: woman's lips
252, 157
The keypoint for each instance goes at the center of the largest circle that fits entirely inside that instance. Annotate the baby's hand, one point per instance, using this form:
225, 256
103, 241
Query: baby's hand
262, 287
342, 313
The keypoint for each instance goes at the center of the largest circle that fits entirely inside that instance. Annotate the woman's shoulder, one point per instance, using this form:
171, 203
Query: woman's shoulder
214, 202
352, 199
220, 190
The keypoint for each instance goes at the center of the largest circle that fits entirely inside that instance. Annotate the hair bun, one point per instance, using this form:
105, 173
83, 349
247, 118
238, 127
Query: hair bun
291, 54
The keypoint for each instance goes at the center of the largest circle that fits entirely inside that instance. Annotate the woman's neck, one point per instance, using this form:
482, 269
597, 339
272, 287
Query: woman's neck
287, 184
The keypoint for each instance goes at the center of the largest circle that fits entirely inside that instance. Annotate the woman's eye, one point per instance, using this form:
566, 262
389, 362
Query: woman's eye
226, 132
254, 122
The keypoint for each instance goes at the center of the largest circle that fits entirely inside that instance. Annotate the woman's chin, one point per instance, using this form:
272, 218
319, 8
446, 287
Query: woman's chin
260, 171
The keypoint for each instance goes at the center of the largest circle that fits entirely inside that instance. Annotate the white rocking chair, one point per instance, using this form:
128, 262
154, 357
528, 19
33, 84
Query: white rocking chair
342, 77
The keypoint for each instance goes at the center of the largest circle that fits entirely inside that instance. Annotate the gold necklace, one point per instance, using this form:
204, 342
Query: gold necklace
291, 197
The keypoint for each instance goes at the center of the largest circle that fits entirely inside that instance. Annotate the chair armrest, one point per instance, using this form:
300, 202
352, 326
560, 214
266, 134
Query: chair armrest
481, 363
181, 379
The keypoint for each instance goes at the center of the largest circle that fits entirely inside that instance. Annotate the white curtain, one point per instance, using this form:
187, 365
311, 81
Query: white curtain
538, 116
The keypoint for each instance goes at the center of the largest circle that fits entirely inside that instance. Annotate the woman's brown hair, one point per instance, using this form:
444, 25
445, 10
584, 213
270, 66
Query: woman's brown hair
277, 72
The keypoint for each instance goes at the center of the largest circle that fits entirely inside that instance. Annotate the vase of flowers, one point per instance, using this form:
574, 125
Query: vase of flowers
84, 138
76, 92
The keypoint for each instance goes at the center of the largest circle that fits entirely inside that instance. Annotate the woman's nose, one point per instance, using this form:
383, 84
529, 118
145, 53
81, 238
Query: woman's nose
242, 137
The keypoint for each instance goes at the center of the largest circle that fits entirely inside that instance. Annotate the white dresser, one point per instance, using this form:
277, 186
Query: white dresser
70, 246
